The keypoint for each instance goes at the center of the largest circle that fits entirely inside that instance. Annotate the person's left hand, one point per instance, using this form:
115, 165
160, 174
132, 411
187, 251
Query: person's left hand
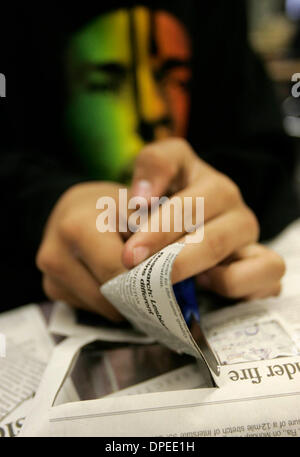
251, 272
228, 261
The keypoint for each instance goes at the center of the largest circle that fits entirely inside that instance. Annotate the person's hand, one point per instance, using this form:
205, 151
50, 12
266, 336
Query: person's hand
252, 272
231, 228
74, 257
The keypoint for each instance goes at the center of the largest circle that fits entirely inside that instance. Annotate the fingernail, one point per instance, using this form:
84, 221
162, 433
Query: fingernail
143, 188
139, 254
204, 280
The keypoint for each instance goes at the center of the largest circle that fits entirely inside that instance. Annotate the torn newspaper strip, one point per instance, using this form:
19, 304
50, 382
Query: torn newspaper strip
145, 296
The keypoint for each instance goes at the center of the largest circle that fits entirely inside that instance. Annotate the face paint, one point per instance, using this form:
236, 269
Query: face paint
127, 73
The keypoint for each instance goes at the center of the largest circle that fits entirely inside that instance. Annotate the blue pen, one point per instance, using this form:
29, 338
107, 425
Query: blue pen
185, 293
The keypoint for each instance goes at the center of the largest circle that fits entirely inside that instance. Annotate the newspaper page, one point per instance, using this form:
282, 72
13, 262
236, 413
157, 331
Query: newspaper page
259, 398
28, 350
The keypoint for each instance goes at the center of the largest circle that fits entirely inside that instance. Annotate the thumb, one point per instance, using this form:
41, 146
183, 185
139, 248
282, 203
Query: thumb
156, 170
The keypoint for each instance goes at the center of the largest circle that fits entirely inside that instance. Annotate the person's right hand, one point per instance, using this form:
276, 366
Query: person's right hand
74, 257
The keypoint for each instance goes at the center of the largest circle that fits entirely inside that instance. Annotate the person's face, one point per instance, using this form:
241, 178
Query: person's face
128, 73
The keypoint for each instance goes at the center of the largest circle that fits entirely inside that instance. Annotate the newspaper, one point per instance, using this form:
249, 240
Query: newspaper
28, 350
256, 330
259, 398
256, 346
145, 296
